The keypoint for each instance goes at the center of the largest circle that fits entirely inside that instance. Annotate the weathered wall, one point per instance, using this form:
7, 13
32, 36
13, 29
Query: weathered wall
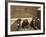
24, 11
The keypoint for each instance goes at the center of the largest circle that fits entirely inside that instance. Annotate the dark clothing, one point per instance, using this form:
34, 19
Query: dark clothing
35, 24
25, 23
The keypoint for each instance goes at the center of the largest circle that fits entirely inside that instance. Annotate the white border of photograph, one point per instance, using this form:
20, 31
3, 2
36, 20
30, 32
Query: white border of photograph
25, 32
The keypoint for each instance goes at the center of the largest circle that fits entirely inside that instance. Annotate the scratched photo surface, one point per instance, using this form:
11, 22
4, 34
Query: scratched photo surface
25, 18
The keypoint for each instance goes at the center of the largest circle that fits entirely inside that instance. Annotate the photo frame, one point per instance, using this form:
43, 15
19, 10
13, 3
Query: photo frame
24, 10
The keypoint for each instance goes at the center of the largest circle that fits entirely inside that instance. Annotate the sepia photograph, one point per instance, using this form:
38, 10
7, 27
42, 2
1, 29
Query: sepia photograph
25, 18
